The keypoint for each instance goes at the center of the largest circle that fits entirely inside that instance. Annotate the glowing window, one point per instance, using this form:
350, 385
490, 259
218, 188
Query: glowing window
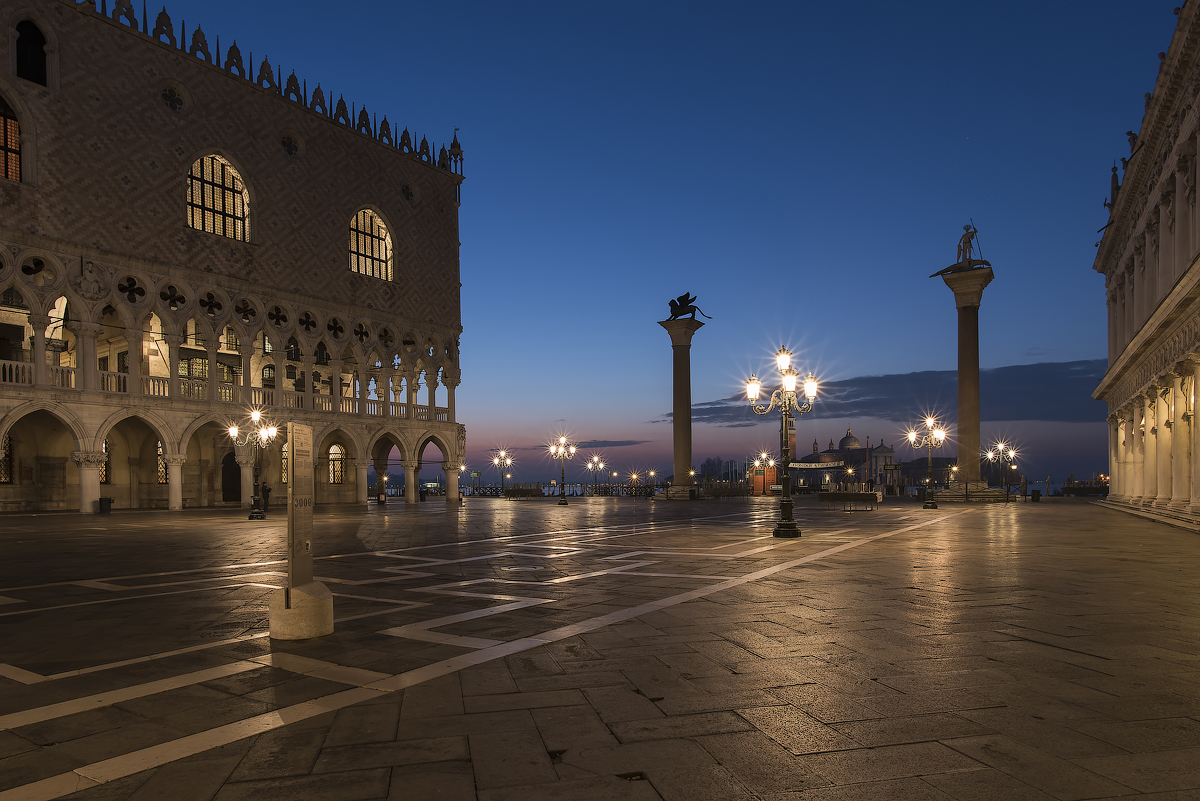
10, 143
6, 462
217, 199
337, 464
162, 465
370, 246
106, 468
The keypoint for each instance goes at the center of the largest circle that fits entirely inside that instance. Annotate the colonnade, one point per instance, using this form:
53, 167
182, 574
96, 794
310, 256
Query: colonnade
1153, 442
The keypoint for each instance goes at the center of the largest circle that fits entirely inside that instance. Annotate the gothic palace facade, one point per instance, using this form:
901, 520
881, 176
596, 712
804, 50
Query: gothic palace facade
1149, 260
185, 236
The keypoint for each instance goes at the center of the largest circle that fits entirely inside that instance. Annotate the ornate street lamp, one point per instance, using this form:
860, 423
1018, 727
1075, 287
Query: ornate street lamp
788, 403
501, 460
650, 484
1006, 455
258, 434
933, 437
594, 466
562, 451
762, 462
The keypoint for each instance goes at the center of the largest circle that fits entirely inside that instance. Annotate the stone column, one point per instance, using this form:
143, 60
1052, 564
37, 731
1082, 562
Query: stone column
1149, 447
246, 351
89, 465
383, 389
87, 369
431, 385
450, 385
135, 469
133, 341
39, 323
968, 289
279, 356
364, 388
1162, 447
306, 367
412, 384
1114, 457
451, 472
1181, 438
1194, 504
175, 464
246, 472
1153, 278
360, 476
173, 342
412, 472
1134, 452
335, 384
681, 332
214, 372
1166, 232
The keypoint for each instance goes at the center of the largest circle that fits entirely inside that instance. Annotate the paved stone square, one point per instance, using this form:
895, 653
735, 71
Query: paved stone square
613, 648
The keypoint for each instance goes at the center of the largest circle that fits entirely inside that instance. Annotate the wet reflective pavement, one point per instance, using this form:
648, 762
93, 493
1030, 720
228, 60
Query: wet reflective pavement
613, 648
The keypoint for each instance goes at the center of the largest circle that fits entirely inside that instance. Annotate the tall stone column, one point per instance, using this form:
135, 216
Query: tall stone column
412, 470
133, 341
411, 384
1162, 447
383, 390
1181, 439
175, 481
1134, 452
1115, 472
1194, 504
451, 472
360, 479
246, 473
39, 323
1149, 447
246, 392
968, 289
173, 342
89, 465
681, 332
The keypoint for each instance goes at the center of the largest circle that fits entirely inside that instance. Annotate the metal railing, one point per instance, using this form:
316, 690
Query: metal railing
16, 373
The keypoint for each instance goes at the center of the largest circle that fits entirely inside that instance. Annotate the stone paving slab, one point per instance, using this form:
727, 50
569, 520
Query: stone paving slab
609, 649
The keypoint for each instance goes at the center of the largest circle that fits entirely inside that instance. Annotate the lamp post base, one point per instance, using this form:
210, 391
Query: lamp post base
786, 528
256, 512
930, 504
562, 501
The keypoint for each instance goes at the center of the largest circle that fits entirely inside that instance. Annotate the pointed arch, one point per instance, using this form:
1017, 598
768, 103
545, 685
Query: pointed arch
219, 200
394, 437
156, 424
78, 431
370, 249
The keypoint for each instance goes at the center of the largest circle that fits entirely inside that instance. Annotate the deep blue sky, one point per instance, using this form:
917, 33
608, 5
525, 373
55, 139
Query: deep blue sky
802, 167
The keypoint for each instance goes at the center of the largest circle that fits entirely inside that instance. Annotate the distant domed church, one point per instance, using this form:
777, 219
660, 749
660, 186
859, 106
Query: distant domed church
832, 465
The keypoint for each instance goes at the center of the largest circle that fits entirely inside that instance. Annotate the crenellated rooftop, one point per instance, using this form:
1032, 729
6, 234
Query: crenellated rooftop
270, 79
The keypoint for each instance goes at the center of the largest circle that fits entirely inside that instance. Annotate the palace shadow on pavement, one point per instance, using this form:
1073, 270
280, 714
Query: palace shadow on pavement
613, 648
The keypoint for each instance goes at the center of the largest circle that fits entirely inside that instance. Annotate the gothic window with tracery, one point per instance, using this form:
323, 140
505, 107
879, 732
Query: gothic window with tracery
162, 464
6, 462
106, 468
217, 199
268, 376
31, 52
10, 142
370, 246
337, 464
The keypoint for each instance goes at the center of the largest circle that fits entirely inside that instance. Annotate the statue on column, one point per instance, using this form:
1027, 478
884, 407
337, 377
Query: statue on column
684, 304
966, 250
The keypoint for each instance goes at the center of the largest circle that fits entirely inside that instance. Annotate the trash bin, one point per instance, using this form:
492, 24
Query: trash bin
1035, 496
106, 506
422, 494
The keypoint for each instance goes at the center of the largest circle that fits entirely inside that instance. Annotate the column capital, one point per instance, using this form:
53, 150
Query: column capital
85, 329
89, 459
174, 340
681, 331
175, 459
39, 320
968, 286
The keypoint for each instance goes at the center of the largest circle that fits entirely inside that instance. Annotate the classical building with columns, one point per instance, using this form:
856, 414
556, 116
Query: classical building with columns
1148, 257
185, 236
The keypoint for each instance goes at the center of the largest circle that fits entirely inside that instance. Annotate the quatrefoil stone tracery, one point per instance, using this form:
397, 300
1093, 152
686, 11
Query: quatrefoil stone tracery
246, 311
172, 297
277, 317
335, 328
130, 289
362, 333
210, 304
307, 322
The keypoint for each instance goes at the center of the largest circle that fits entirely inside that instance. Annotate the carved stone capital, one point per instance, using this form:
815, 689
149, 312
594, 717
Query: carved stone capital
89, 459
175, 459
